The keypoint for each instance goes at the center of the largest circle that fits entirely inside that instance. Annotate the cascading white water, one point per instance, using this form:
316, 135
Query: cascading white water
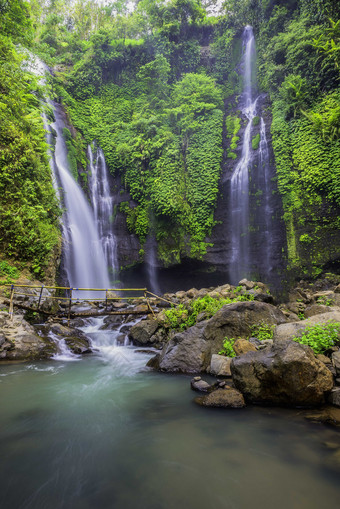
84, 260
103, 206
239, 187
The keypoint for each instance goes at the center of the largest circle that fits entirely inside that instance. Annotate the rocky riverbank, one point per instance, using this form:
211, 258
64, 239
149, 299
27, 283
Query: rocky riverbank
273, 370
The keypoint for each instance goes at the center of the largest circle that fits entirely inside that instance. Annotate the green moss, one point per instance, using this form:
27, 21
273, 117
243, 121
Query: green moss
255, 142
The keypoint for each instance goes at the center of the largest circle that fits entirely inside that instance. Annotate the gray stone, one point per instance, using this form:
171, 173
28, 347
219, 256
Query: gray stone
334, 397
292, 329
225, 398
286, 373
220, 365
22, 343
142, 332
336, 362
199, 385
185, 352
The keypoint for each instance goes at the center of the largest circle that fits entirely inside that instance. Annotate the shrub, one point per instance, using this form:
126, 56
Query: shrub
320, 337
228, 349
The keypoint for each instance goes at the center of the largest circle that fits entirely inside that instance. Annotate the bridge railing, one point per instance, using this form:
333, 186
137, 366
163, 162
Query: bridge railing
71, 295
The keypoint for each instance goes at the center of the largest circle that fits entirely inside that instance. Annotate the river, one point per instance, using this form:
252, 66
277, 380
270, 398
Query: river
104, 432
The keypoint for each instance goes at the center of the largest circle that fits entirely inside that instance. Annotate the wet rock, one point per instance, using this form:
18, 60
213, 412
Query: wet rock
185, 351
242, 346
142, 332
78, 346
334, 397
192, 293
336, 362
327, 415
154, 362
225, 398
20, 342
199, 385
285, 373
220, 365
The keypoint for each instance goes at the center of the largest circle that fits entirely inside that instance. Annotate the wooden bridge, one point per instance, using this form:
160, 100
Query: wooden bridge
67, 296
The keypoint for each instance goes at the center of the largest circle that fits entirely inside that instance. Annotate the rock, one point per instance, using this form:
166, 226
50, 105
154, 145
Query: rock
142, 308
323, 358
248, 284
334, 397
199, 385
154, 361
185, 352
292, 329
296, 307
264, 297
20, 342
192, 293
327, 415
318, 309
142, 332
220, 365
242, 346
336, 362
119, 305
285, 373
180, 295
78, 346
225, 398
235, 321
191, 350
337, 289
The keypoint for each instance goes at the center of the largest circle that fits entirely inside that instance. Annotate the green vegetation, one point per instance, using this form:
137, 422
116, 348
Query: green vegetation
28, 208
262, 331
184, 316
320, 337
158, 87
8, 273
228, 349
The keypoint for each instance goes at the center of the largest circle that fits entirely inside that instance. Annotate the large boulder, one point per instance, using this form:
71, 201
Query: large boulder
19, 342
236, 320
293, 329
284, 373
191, 351
185, 352
143, 331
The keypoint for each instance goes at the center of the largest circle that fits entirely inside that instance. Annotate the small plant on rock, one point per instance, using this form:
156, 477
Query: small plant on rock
262, 331
320, 337
228, 349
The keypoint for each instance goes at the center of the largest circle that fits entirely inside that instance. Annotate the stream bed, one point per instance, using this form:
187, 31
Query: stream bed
104, 432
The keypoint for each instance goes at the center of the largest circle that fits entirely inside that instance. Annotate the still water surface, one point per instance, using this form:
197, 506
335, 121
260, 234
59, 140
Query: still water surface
103, 432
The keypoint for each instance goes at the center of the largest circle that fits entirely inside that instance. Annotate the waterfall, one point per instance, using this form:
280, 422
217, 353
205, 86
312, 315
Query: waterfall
84, 259
151, 264
239, 186
256, 244
103, 206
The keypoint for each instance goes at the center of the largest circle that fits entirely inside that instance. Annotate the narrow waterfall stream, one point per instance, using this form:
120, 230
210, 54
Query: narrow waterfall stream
239, 186
103, 207
251, 219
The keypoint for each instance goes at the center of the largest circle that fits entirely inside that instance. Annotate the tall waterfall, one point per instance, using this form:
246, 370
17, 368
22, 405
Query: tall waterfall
254, 237
239, 187
103, 206
84, 260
